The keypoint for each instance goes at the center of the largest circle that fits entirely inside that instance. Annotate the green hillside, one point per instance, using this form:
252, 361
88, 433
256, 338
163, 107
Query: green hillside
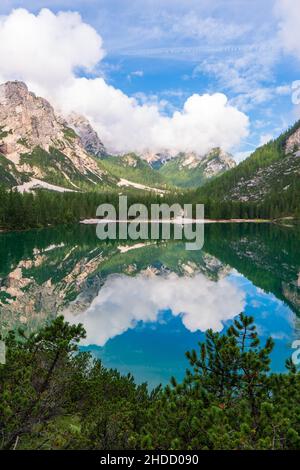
176, 175
133, 168
9, 175
190, 171
58, 169
269, 169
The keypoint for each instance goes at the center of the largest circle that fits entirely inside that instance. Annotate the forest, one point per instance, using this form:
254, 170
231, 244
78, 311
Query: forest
52, 396
262, 159
45, 208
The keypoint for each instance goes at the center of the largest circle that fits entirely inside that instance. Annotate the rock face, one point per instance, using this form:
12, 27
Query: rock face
35, 140
24, 116
293, 142
272, 169
156, 160
279, 175
39, 147
193, 170
217, 161
213, 163
88, 136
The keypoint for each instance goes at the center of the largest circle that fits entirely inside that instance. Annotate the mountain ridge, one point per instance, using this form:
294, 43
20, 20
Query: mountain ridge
39, 145
190, 170
39, 148
271, 168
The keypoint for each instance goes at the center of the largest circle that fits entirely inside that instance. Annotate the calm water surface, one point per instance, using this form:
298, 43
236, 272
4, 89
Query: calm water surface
143, 307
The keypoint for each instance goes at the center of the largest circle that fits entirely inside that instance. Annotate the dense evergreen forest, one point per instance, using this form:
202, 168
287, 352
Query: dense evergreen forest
54, 397
44, 208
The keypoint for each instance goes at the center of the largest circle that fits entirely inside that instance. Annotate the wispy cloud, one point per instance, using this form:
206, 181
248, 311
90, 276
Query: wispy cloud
135, 73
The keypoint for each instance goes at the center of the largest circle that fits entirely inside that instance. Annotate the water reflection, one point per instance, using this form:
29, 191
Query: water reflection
144, 306
124, 301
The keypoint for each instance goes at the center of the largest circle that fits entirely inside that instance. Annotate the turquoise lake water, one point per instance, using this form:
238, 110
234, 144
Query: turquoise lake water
144, 306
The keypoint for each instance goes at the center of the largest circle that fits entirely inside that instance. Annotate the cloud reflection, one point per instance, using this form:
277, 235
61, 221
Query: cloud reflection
123, 301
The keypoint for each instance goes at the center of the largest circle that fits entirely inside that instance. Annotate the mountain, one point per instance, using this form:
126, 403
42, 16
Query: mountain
186, 170
38, 145
156, 159
133, 168
271, 172
88, 136
189, 170
40, 149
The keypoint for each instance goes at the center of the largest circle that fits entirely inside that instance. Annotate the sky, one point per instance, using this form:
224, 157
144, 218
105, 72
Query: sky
161, 75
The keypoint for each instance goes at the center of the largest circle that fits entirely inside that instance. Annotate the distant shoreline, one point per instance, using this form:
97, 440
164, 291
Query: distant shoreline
280, 221
187, 221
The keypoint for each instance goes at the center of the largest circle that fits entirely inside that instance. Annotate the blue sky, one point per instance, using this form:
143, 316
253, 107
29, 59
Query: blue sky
162, 52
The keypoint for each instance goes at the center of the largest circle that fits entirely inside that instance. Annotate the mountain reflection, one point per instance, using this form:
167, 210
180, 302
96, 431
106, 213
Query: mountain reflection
134, 299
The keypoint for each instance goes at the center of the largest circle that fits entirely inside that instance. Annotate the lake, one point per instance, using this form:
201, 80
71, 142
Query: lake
144, 306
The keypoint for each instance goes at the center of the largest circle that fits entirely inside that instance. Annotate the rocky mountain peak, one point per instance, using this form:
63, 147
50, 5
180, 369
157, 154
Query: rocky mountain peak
217, 161
14, 91
88, 136
24, 117
191, 160
156, 159
30, 131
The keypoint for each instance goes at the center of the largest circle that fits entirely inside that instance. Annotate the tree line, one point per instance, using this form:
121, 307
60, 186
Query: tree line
45, 208
52, 396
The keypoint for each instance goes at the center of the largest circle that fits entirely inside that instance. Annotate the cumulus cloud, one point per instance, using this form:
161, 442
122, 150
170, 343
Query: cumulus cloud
46, 49
58, 56
201, 303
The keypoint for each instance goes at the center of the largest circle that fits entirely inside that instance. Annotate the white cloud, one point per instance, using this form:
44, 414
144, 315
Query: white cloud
201, 303
288, 12
48, 51
253, 97
137, 73
247, 73
283, 90
212, 30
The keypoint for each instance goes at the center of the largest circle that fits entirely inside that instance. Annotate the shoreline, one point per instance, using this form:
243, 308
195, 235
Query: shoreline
280, 221
182, 222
